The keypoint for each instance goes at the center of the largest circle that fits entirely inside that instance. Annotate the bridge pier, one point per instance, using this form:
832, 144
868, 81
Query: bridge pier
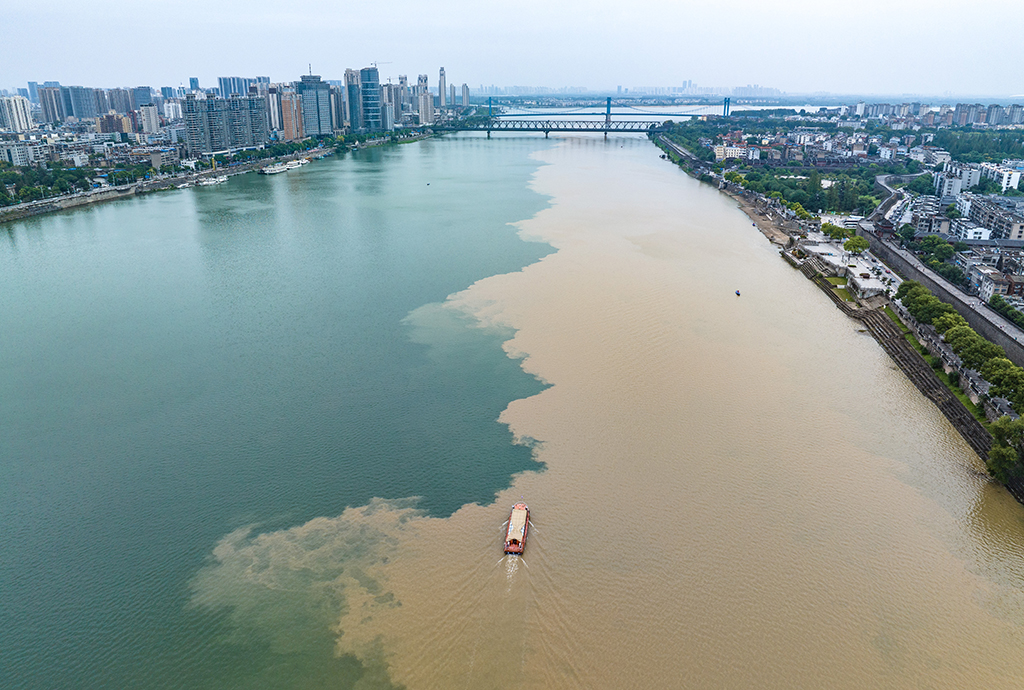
545, 134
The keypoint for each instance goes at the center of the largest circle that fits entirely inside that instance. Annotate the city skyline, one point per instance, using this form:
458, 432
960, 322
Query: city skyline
874, 49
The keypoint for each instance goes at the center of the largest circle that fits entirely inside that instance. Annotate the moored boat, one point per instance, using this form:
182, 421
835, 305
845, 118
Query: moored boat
273, 169
518, 526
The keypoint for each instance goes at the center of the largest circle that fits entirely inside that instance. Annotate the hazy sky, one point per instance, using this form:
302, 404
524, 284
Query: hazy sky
868, 46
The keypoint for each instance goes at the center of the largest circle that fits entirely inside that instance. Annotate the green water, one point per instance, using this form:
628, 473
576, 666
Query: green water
178, 366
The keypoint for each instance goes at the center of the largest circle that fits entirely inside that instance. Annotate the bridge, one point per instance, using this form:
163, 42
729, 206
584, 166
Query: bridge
520, 122
548, 126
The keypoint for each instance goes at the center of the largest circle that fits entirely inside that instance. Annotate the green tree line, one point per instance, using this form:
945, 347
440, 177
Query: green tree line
1006, 458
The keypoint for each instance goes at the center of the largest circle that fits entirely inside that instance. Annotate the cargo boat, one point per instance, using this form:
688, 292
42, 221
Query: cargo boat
518, 525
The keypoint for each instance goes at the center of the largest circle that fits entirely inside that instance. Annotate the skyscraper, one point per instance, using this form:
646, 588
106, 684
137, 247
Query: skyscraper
15, 114
426, 108
421, 85
119, 100
167, 91
353, 96
193, 83
403, 94
234, 85
337, 107
218, 124
274, 106
291, 116
369, 84
451, 100
441, 90
150, 117
316, 105
83, 103
102, 101
465, 95
33, 91
52, 104
141, 95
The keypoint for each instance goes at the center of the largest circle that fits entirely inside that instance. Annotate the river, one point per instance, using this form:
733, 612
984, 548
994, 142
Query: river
265, 435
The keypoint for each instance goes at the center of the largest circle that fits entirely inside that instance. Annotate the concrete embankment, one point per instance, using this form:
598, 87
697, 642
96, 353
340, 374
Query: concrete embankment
63, 203
910, 361
985, 324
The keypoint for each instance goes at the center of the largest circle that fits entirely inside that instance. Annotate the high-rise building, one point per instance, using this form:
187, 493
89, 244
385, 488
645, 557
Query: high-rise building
52, 103
33, 91
119, 100
274, 106
337, 107
102, 101
451, 100
291, 116
234, 85
141, 95
354, 99
426, 108
193, 83
369, 85
403, 94
441, 90
465, 95
83, 103
150, 117
421, 86
172, 109
15, 114
316, 106
167, 91
213, 125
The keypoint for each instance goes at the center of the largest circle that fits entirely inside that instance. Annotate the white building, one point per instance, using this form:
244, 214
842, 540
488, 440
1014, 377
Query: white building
150, 117
15, 153
426, 108
172, 110
15, 114
722, 152
988, 281
969, 230
1006, 177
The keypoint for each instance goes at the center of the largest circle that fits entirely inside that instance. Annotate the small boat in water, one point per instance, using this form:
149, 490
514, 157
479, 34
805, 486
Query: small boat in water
273, 169
518, 525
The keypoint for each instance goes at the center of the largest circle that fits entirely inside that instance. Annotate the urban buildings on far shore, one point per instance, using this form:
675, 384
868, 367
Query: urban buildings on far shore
50, 121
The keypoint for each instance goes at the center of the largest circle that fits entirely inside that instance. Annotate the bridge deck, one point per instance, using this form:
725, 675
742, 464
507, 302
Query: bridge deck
508, 125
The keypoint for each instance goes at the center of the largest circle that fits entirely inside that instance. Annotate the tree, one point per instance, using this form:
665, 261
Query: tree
922, 184
951, 211
856, 244
836, 232
906, 232
947, 321
1004, 459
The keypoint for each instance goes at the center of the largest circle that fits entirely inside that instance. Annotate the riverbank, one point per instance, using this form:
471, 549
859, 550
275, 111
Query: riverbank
904, 356
63, 203
771, 225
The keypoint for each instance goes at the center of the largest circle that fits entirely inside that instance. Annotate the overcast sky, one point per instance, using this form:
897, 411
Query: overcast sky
940, 47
